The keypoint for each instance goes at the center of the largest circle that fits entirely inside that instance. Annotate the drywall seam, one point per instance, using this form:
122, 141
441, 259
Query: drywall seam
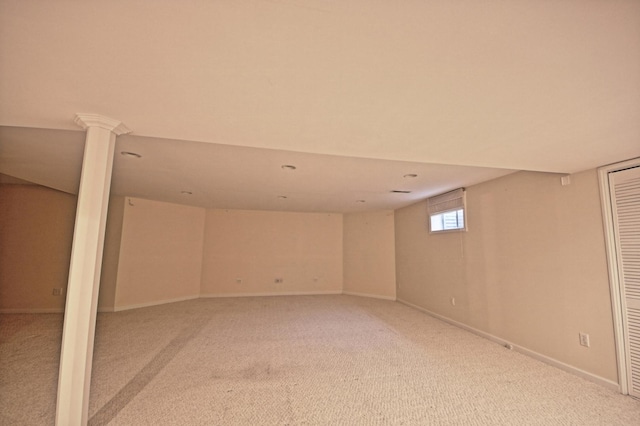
533, 354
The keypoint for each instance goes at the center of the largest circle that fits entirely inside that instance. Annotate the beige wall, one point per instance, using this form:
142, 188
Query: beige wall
160, 254
111, 254
36, 233
256, 247
531, 269
369, 254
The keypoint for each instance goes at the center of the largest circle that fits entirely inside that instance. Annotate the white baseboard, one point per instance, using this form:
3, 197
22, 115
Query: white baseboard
33, 311
182, 299
45, 311
533, 354
152, 303
373, 296
280, 293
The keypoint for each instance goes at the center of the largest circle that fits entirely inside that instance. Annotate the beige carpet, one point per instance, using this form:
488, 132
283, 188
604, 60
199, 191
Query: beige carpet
303, 360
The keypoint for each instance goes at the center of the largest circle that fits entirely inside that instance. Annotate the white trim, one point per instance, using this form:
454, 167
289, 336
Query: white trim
83, 284
282, 293
153, 303
95, 120
373, 296
614, 278
538, 356
182, 299
613, 267
32, 311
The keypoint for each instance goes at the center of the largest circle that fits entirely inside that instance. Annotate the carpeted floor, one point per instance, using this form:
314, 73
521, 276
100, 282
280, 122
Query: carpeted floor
302, 360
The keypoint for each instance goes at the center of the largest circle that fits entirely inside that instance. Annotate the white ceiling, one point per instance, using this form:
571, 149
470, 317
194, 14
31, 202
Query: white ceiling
232, 177
355, 93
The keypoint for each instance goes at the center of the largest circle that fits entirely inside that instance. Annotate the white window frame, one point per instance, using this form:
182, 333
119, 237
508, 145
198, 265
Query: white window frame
448, 202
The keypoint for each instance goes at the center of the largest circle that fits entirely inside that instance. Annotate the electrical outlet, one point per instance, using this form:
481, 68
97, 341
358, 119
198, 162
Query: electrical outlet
584, 340
278, 280
57, 291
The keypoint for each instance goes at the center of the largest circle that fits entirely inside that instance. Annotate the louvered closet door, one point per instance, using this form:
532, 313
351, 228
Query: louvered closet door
625, 194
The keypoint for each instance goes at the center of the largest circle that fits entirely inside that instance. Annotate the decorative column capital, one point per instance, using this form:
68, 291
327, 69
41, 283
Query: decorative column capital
95, 120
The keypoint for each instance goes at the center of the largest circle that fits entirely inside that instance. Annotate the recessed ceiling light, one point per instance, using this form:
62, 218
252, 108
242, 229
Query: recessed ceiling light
186, 192
288, 167
410, 175
398, 191
131, 154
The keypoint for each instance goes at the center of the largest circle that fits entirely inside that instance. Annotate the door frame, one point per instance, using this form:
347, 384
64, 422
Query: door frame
613, 266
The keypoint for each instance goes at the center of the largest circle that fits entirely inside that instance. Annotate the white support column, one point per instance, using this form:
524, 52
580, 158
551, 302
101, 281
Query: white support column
84, 271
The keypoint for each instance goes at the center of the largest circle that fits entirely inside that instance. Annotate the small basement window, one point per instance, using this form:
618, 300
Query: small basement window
446, 211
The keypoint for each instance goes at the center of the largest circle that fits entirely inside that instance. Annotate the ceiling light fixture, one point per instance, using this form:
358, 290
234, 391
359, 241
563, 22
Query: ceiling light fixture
130, 154
410, 175
288, 167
